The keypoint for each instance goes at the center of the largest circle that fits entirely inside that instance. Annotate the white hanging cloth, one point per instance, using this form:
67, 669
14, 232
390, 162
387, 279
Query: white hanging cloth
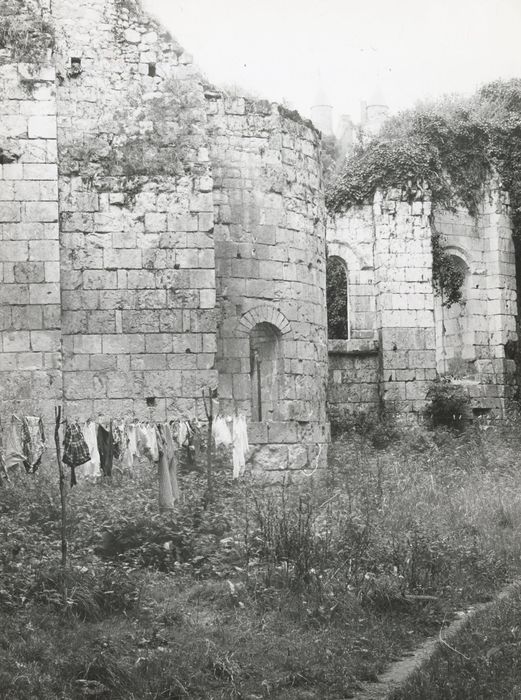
221, 432
90, 436
240, 445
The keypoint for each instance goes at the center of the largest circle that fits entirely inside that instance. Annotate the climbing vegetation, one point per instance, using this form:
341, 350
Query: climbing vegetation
24, 32
448, 148
445, 150
448, 275
336, 294
159, 140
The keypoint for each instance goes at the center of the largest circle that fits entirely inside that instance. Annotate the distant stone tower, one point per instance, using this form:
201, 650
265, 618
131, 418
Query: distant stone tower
375, 111
322, 111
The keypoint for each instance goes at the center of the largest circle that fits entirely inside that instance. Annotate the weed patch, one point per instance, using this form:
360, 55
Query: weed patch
269, 591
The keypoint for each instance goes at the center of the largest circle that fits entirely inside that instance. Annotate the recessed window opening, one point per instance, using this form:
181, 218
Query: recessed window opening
76, 63
337, 297
266, 366
152, 70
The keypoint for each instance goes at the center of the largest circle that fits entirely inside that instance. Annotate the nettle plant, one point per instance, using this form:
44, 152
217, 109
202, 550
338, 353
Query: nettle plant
446, 150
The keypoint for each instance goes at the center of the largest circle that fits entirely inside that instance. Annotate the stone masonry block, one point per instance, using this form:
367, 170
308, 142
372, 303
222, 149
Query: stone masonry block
45, 341
13, 251
35, 171
122, 257
9, 212
48, 293
16, 341
282, 432
29, 272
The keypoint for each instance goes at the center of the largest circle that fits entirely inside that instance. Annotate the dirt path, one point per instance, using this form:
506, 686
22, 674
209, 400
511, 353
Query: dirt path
399, 672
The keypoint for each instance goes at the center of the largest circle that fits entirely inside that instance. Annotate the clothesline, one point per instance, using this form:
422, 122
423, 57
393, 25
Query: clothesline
95, 443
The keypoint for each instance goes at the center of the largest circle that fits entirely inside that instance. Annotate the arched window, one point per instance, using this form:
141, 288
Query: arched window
337, 299
266, 365
455, 339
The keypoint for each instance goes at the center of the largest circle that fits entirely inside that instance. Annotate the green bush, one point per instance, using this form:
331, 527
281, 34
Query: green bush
448, 404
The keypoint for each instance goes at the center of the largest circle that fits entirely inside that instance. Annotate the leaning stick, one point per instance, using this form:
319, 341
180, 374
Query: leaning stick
58, 416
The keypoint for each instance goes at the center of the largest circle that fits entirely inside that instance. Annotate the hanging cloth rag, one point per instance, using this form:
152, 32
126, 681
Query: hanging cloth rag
166, 496
118, 446
75, 449
92, 468
183, 433
240, 445
172, 462
104, 440
25, 436
221, 432
14, 451
147, 441
35, 442
132, 449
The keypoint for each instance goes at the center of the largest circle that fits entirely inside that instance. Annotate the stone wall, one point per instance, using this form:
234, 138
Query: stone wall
137, 263
141, 220
472, 336
405, 301
30, 349
270, 258
354, 375
418, 336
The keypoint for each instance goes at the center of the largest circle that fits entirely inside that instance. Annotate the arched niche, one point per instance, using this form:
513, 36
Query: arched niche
266, 371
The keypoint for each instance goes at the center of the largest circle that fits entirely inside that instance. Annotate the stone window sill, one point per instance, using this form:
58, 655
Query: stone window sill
355, 346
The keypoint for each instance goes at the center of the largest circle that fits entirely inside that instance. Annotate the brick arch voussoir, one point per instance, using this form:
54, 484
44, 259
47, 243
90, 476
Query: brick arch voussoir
264, 314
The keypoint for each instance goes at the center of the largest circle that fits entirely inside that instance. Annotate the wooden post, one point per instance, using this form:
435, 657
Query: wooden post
58, 417
209, 447
2, 463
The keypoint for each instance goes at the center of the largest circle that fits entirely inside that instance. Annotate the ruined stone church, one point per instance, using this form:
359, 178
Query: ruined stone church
159, 239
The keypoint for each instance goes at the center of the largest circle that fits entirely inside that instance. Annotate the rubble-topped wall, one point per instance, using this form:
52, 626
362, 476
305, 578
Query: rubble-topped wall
270, 262
137, 260
108, 260
420, 337
30, 341
475, 338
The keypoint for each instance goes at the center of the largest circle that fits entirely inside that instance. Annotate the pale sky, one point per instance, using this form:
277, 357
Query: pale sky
416, 49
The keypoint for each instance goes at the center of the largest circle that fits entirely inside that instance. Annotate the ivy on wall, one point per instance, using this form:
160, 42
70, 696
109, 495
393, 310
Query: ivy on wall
24, 32
448, 275
336, 299
445, 150
124, 149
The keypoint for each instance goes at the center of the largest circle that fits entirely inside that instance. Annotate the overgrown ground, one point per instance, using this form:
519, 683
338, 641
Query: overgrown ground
279, 593
482, 662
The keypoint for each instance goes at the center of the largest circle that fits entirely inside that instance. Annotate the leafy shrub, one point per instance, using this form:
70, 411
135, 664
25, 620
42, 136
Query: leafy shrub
378, 430
448, 404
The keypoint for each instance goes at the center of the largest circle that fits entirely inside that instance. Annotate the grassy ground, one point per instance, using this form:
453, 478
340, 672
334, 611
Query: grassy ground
482, 662
280, 592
